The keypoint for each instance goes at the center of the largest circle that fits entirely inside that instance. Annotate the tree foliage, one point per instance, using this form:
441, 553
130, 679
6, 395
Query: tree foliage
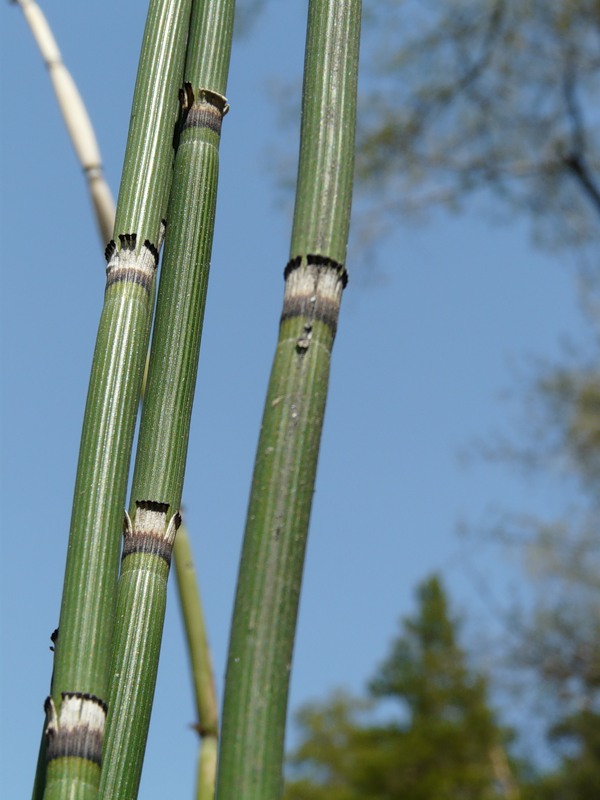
556, 632
557, 642
442, 741
554, 628
578, 776
494, 94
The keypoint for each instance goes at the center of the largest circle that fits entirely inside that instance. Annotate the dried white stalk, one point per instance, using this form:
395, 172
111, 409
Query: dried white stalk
75, 116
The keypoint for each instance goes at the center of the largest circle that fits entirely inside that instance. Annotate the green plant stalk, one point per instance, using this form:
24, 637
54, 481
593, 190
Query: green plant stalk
77, 708
207, 769
201, 665
264, 620
166, 412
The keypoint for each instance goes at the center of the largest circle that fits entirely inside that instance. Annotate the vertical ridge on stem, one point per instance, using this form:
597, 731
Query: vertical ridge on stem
166, 413
270, 573
84, 644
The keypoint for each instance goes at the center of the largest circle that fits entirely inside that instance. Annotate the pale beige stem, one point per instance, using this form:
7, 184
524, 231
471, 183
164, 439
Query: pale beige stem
503, 773
76, 118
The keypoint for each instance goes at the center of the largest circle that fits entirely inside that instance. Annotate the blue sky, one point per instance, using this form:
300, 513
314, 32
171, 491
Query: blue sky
426, 345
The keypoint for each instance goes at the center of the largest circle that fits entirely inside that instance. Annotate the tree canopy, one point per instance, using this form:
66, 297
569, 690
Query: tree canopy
425, 729
485, 94
442, 739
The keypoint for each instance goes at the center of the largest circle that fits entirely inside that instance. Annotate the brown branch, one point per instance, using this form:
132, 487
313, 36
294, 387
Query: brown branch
578, 169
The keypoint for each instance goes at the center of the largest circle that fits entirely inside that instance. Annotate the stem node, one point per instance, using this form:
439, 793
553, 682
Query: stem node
149, 532
77, 729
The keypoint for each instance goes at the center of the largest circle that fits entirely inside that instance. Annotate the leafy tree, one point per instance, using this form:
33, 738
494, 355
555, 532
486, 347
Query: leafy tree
493, 94
443, 740
578, 776
557, 640
555, 631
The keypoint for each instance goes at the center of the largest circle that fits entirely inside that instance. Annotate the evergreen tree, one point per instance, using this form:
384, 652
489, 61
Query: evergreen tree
443, 740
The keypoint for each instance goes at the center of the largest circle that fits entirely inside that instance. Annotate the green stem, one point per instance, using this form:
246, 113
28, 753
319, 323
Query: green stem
166, 413
264, 621
76, 710
201, 665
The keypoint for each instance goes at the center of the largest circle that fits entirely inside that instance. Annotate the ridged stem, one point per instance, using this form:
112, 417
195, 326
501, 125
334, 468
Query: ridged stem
77, 709
268, 590
166, 412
